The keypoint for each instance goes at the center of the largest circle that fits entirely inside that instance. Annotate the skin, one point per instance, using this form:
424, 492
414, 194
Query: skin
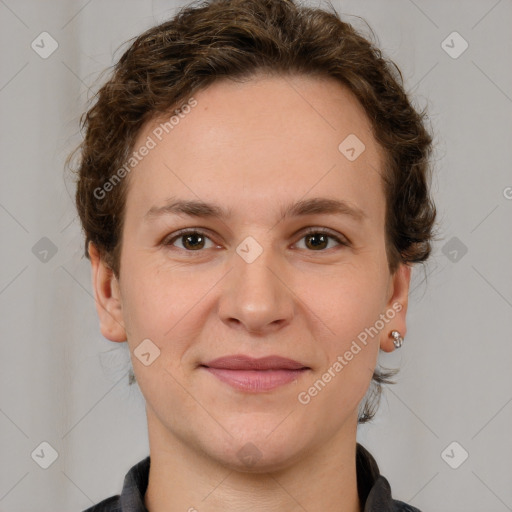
254, 147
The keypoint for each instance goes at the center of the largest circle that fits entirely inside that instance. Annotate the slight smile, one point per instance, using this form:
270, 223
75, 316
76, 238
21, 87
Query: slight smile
255, 375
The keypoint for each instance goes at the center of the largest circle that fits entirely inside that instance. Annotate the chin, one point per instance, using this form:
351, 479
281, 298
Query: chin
252, 458
259, 450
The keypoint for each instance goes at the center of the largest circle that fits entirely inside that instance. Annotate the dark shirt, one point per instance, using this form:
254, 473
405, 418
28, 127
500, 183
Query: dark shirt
373, 489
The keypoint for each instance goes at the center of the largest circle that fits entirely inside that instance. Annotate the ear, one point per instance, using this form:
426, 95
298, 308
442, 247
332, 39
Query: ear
398, 300
107, 297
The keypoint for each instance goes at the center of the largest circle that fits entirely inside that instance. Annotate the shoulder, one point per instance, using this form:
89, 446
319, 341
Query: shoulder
400, 506
381, 500
112, 504
373, 488
132, 494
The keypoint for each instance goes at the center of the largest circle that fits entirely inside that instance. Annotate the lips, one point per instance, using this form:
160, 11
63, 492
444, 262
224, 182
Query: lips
241, 362
251, 375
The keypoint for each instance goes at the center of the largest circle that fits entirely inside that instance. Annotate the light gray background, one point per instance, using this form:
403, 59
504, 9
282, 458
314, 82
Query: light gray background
63, 383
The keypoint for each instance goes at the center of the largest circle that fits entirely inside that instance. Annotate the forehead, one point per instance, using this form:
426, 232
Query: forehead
260, 143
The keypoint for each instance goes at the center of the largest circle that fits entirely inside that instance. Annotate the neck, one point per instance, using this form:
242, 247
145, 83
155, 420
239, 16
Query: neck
182, 479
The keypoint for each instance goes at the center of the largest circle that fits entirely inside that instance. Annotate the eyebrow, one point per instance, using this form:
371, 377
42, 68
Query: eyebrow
314, 206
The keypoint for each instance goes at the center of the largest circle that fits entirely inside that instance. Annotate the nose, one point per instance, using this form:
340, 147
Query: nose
255, 295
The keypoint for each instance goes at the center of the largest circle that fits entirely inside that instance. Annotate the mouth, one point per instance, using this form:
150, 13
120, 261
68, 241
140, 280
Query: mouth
255, 375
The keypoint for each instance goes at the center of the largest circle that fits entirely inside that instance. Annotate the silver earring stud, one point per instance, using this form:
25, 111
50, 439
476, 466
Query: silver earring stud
397, 339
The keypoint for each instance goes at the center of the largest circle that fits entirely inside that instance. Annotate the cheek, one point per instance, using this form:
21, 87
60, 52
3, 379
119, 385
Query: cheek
163, 305
346, 313
346, 303
161, 311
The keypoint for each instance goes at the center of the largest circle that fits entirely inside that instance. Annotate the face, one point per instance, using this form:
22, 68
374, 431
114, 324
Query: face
271, 268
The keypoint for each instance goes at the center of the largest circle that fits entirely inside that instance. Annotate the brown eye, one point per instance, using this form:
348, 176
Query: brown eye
191, 240
318, 239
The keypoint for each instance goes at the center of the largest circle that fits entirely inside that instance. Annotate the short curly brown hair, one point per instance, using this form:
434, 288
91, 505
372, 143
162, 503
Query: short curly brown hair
236, 39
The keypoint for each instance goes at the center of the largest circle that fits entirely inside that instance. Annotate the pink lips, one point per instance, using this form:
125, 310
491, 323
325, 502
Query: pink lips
255, 375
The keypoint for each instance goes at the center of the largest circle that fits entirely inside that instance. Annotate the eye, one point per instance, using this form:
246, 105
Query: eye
192, 240
320, 238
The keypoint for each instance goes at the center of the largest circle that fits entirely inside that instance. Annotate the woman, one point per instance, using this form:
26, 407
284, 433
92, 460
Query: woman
254, 189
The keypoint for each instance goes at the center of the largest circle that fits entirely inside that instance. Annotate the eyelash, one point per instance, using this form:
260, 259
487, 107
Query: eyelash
309, 231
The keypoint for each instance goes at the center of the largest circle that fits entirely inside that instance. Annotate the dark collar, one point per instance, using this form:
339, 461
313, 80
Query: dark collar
373, 489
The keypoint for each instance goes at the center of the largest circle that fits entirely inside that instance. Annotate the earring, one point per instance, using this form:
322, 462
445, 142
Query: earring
397, 339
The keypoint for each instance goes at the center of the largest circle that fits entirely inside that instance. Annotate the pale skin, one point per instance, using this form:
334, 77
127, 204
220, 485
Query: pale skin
254, 148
